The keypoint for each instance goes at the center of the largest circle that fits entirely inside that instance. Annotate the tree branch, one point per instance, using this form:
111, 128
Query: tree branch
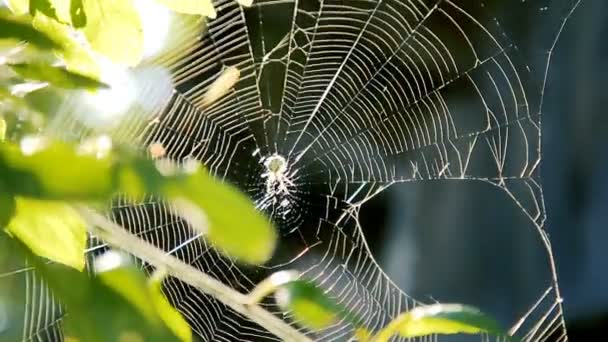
116, 235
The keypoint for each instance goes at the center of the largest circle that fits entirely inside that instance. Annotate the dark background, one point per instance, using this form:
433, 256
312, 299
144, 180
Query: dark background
463, 242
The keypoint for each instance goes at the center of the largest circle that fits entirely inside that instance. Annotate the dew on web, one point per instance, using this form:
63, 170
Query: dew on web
330, 103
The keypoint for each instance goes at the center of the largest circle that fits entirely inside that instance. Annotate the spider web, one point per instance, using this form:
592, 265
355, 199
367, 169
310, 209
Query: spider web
357, 96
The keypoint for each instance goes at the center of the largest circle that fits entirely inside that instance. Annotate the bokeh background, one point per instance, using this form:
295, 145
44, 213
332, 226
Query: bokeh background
467, 242
461, 242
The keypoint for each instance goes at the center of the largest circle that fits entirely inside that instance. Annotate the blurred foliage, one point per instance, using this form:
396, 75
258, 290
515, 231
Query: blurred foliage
56, 76
47, 46
114, 29
190, 7
50, 229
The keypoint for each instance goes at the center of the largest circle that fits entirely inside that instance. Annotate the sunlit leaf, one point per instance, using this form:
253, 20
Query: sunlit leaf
57, 76
172, 318
116, 271
77, 14
21, 30
55, 171
311, 306
55, 9
440, 319
114, 29
227, 231
77, 57
50, 229
19, 7
2, 129
97, 312
201, 7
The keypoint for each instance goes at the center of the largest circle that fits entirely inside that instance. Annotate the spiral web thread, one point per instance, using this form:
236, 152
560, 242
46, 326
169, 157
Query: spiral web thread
357, 96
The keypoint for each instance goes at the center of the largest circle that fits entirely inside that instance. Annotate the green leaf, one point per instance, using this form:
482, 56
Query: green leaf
2, 129
50, 229
46, 7
7, 205
45, 100
440, 319
57, 76
39, 169
311, 306
19, 7
77, 14
99, 312
77, 57
116, 270
114, 29
21, 30
172, 318
56, 171
226, 230
198, 7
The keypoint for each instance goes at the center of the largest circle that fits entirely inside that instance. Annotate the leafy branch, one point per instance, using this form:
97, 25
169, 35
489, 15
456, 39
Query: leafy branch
46, 199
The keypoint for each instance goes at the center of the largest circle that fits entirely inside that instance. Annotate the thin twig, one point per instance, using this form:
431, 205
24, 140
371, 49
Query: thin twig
116, 235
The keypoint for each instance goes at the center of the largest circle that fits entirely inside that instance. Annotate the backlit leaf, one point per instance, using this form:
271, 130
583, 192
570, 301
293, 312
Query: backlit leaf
97, 311
439, 319
2, 129
311, 306
227, 231
54, 170
172, 318
55, 9
50, 229
114, 29
77, 57
19, 7
47, 170
21, 30
57, 76
77, 14
200, 7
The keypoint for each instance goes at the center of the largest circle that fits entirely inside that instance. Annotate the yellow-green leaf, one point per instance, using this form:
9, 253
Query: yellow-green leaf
77, 14
200, 7
57, 76
98, 312
116, 271
226, 230
2, 129
56, 9
19, 7
114, 29
50, 229
311, 306
77, 57
172, 318
54, 170
57, 171
21, 30
440, 319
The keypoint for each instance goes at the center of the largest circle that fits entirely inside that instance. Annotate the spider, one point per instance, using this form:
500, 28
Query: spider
277, 180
